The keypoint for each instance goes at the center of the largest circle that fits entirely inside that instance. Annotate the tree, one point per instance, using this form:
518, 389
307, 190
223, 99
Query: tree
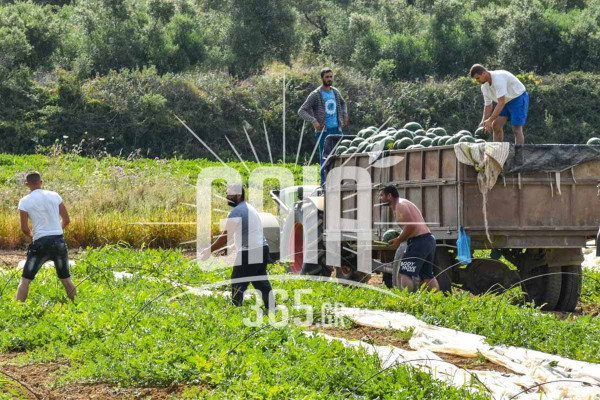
261, 31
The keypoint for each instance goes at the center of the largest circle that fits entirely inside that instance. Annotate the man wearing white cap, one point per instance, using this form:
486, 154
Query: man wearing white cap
243, 222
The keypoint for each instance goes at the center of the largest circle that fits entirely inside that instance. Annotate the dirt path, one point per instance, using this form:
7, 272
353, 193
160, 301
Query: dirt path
37, 381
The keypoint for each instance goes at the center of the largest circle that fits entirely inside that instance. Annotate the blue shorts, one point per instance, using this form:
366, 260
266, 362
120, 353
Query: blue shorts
516, 110
419, 257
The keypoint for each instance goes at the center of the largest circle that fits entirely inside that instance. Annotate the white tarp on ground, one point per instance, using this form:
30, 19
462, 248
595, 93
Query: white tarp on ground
539, 367
590, 260
500, 386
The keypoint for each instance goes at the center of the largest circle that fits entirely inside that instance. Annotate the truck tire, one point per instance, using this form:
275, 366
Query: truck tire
570, 289
388, 279
350, 274
442, 269
545, 290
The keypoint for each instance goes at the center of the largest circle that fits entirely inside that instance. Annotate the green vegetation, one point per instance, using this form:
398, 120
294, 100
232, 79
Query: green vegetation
126, 332
106, 197
112, 76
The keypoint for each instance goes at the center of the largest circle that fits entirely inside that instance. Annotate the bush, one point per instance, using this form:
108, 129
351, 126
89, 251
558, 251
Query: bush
134, 110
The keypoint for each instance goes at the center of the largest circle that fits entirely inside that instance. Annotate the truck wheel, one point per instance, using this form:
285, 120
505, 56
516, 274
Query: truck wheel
570, 289
299, 248
543, 291
442, 270
388, 280
350, 274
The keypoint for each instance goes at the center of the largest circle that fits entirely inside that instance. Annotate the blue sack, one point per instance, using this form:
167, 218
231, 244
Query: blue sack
464, 246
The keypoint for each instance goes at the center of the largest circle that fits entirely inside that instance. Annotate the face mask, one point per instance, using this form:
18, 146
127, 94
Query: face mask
232, 202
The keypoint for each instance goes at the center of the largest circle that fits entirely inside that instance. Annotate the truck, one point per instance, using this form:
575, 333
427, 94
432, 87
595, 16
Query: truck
540, 214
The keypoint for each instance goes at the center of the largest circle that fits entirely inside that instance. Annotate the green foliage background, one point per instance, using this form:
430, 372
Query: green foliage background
116, 72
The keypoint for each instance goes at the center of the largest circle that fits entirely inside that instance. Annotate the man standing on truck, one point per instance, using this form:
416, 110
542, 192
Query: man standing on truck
244, 224
419, 256
49, 218
326, 110
511, 98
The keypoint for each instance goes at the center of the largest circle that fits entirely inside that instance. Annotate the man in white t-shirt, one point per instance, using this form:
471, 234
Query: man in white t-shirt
511, 98
244, 224
49, 217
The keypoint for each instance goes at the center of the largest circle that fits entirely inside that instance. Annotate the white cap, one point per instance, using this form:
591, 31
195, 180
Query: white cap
234, 188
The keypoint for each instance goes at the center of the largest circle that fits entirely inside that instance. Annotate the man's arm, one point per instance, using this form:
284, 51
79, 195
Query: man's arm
488, 122
306, 111
218, 244
64, 215
24, 224
487, 111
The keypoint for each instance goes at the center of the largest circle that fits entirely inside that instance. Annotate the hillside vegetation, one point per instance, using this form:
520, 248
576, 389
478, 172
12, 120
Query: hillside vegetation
112, 75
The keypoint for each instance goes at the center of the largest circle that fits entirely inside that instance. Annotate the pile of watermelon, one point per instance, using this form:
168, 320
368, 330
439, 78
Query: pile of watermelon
411, 136
593, 142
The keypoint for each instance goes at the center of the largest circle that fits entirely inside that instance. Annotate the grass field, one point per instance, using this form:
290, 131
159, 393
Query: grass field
126, 332
107, 196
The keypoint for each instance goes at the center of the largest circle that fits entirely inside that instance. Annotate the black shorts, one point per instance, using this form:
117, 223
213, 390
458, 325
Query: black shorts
419, 257
47, 248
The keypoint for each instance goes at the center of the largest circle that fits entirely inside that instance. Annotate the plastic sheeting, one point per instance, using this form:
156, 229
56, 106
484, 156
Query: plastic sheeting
499, 385
539, 367
548, 157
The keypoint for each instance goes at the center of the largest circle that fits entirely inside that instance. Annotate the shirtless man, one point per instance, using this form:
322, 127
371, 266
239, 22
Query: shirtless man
420, 254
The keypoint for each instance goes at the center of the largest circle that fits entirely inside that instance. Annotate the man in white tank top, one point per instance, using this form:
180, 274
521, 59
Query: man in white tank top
49, 217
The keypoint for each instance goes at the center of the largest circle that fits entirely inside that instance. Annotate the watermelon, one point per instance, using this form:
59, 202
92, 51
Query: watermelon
346, 143
466, 138
479, 141
440, 132
418, 139
464, 133
431, 135
444, 140
363, 146
388, 143
369, 147
436, 141
404, 133
368, 133
351, 150
340, 150
593, 142
389, 235
426, 142
377, 138
356, 142
415, 147
362, 133
480, 133
420, 132
413, 126
403, 143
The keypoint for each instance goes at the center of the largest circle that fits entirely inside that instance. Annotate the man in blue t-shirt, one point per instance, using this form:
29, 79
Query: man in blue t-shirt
326, 110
